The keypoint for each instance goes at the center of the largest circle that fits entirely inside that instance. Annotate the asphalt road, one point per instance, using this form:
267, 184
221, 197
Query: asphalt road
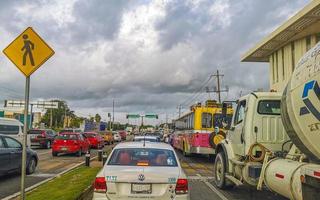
199, 170
48, 167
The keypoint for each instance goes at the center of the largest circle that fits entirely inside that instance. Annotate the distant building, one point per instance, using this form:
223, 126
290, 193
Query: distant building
18, 113
283, 48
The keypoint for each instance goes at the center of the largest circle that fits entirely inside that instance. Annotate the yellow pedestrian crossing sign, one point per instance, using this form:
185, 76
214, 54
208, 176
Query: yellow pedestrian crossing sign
28, 51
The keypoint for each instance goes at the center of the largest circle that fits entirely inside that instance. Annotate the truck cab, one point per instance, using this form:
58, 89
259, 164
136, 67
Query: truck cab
257, 120
255, 128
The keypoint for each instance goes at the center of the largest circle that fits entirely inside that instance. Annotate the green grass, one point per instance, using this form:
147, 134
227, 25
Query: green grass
66, 187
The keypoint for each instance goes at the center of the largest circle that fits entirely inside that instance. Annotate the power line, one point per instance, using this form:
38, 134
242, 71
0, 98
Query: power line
196, 93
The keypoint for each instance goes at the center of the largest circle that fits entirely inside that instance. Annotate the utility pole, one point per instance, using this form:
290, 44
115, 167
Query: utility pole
218, 89
112, 113
51, 117
179, 108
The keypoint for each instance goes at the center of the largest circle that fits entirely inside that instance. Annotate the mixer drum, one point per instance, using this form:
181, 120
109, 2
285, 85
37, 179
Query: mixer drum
300, 105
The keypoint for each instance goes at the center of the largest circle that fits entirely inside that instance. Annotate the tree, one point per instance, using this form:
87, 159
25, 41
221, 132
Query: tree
58, 115
97, 118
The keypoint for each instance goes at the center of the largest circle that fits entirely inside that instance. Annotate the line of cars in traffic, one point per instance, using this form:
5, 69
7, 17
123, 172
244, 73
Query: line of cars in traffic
145, 168
66, 141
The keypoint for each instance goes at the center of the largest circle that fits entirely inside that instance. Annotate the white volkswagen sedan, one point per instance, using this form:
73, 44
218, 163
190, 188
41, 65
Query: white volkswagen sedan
141, 170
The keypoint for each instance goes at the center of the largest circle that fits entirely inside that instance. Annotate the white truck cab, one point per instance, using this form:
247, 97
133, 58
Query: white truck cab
257, 120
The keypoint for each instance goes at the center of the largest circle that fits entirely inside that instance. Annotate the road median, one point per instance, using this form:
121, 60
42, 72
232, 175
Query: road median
75, 184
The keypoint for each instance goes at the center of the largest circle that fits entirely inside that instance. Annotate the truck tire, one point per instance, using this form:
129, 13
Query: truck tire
220, 171
54, 154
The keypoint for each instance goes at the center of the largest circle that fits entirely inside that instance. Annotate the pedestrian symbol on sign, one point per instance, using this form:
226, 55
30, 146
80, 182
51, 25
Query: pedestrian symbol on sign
27, 48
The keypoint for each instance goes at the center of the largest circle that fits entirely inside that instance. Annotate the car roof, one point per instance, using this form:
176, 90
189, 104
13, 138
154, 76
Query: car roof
71, 133
143, 145
10, 120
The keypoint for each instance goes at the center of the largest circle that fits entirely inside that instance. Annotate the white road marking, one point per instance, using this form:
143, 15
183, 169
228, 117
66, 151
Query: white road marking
201, 178
43, 153
42, 175
215, 190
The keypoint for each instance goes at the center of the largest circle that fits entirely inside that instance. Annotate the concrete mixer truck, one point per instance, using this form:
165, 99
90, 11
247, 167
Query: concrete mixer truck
274, 139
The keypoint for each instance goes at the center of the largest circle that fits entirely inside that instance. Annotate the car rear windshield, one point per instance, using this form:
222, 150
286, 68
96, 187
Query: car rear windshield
90, 135
143, 157
269, 107
67, 137
147, 139
35, 132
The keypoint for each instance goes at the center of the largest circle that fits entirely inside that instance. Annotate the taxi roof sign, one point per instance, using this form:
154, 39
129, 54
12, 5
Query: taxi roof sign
28, 51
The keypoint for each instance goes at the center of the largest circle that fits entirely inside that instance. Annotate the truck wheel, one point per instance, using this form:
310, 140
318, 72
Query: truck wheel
54, 154
220, 171
31, 168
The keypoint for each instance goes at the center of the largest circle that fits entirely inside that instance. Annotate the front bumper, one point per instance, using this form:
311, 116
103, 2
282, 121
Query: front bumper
202, 150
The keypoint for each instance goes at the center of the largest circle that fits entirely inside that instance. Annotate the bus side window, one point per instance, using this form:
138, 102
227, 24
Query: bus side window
206, 120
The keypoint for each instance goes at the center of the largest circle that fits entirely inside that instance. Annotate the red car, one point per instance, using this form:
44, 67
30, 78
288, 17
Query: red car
70, 143
95, 140
123, 135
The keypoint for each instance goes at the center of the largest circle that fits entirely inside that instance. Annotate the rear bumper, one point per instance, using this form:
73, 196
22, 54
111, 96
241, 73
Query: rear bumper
38, 142
70, 149
202, 150
103, 196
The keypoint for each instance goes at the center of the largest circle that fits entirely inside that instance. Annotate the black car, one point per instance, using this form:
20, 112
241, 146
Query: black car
11, 156
42, 137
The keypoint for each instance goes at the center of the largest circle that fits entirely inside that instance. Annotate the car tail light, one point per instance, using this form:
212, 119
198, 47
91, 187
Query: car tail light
100, 185
182, 186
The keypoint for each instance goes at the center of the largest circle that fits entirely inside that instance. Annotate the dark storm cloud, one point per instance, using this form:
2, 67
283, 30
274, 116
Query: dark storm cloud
145, 64
97, 19
241, 25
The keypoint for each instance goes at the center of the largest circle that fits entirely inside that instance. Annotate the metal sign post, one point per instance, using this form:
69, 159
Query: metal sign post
24, 141
27, 52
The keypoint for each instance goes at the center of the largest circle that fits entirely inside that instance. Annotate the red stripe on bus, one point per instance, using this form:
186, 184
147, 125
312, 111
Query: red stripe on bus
279, 176
315, 173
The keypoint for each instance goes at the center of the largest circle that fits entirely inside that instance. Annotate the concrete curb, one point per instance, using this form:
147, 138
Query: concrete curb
46, 180
87, 194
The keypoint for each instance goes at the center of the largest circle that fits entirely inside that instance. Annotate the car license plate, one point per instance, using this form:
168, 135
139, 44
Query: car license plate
64, 149
141, 188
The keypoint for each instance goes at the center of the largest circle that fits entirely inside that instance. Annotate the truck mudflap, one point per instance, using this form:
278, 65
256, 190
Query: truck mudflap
310, 181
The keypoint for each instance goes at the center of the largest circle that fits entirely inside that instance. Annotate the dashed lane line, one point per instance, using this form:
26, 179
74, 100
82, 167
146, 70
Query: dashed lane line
215, 190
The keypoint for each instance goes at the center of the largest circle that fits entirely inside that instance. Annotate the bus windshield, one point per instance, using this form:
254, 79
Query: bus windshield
222, 121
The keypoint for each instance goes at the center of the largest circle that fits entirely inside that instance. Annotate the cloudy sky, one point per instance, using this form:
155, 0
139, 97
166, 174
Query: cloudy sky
148, 55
